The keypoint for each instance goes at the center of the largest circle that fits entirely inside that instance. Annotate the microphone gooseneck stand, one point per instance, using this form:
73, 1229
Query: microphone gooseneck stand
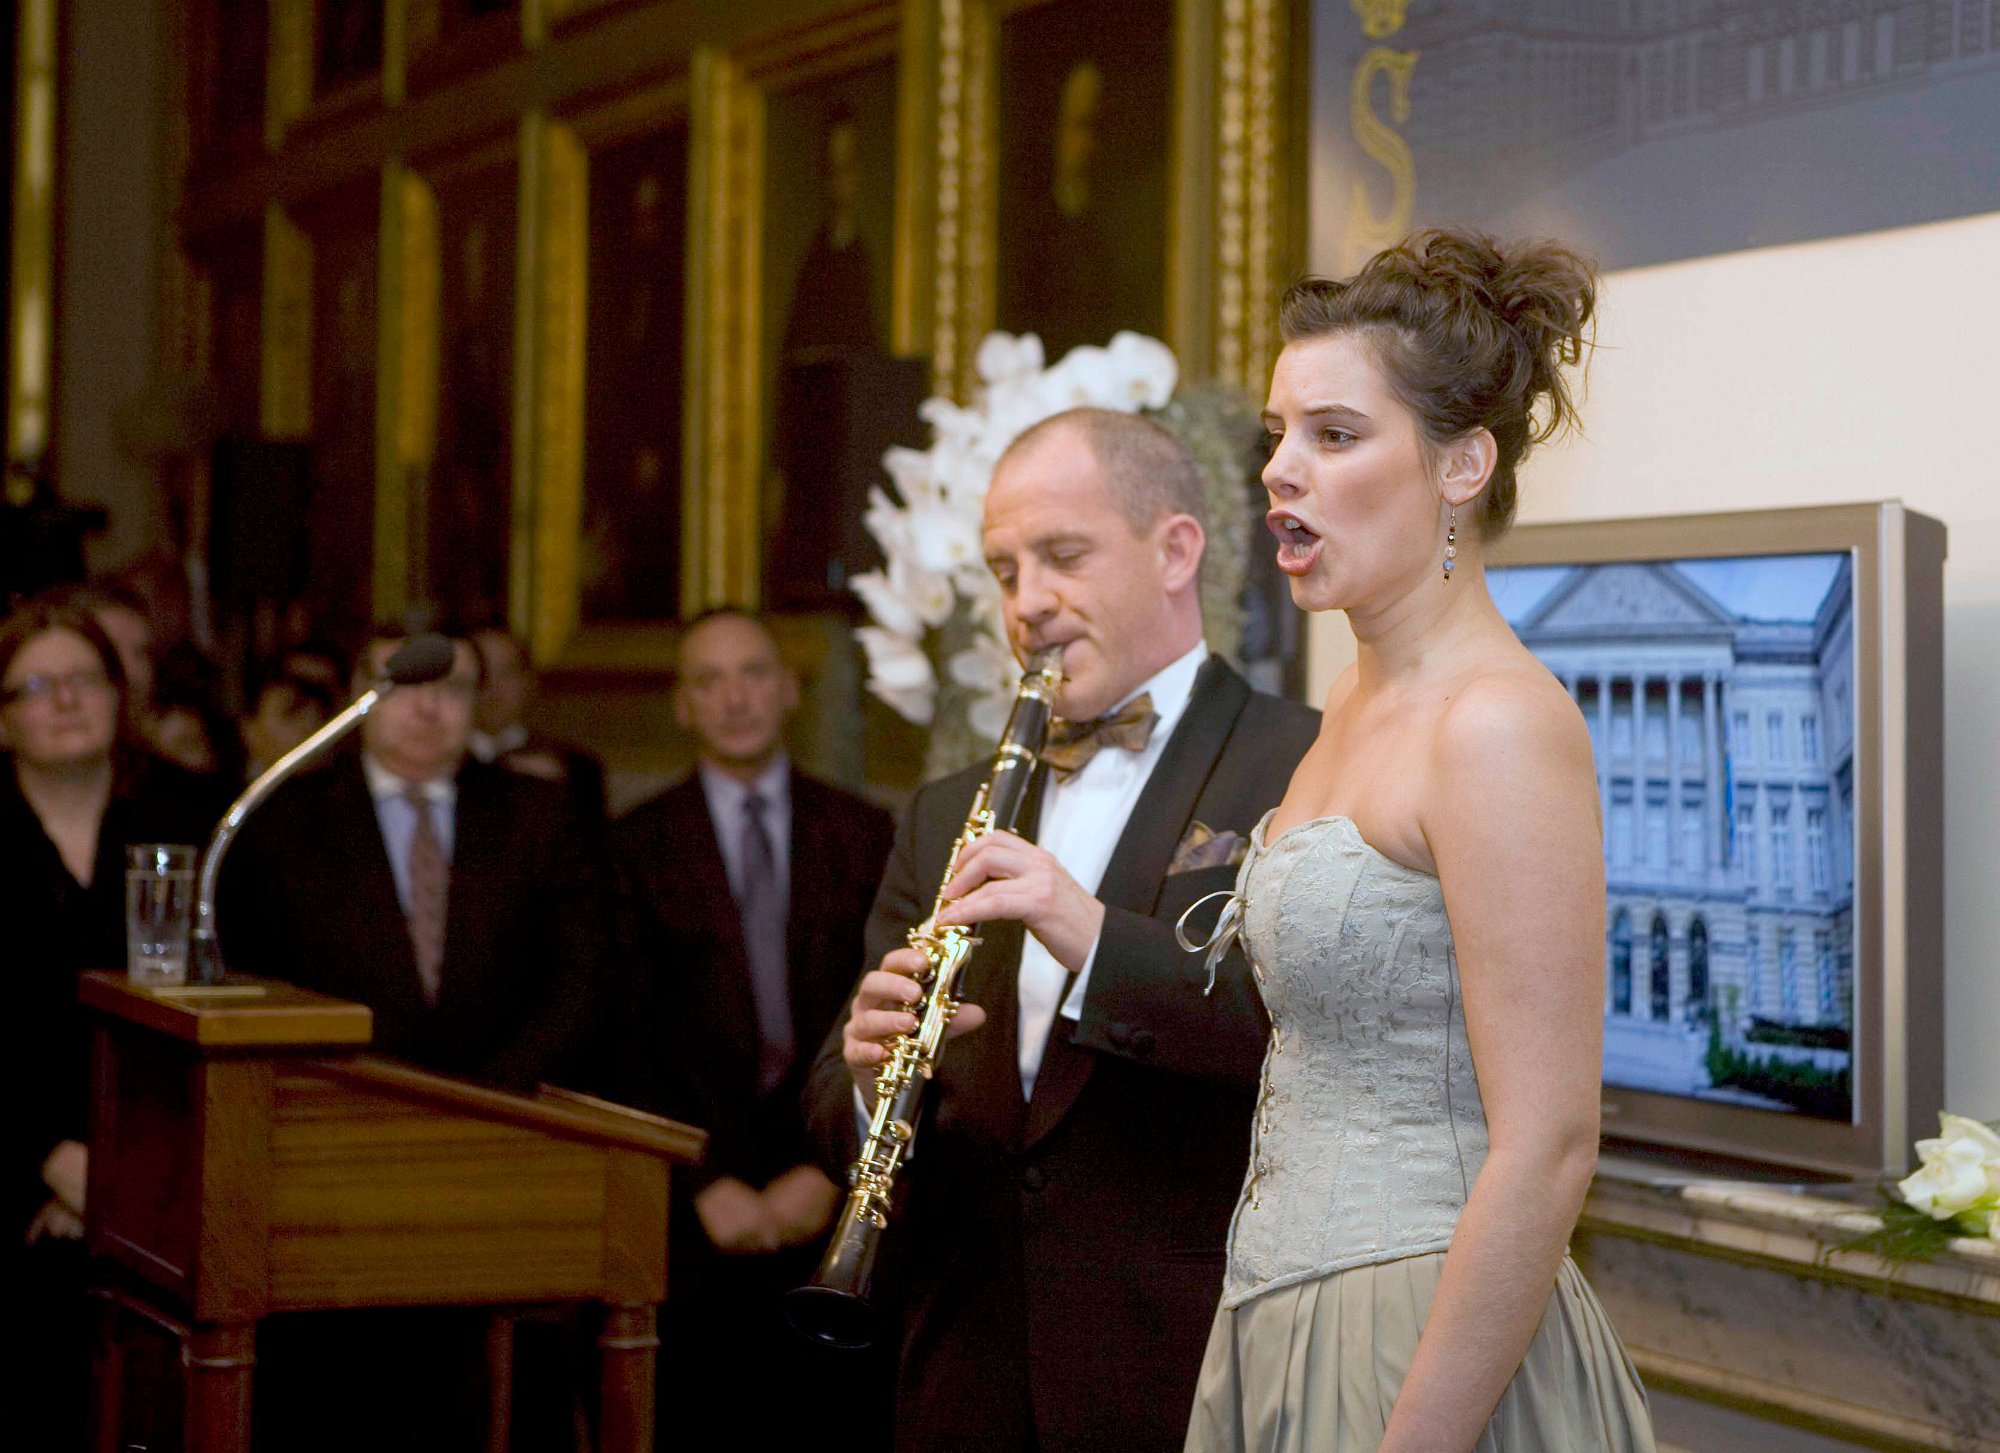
418, 660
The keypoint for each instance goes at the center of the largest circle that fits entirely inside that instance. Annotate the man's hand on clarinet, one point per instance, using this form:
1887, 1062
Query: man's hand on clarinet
881, 1011
1004, 876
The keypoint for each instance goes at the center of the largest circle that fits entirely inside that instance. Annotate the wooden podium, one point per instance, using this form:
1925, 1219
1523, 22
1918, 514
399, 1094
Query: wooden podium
247, 1159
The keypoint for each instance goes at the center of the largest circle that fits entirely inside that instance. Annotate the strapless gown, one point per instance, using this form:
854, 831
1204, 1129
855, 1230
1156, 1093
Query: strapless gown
1368, 1138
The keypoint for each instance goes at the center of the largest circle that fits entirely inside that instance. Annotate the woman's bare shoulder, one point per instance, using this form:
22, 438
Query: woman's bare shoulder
1510, 716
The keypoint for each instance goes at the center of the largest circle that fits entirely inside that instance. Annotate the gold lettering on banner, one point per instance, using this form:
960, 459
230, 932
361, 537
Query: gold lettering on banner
1368, 231
1380, 19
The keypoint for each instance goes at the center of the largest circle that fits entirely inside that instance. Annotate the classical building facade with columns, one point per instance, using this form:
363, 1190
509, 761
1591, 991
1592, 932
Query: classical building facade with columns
1725, 768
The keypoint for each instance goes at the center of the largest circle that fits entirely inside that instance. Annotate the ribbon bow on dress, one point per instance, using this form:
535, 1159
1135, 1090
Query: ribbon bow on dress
1228, 928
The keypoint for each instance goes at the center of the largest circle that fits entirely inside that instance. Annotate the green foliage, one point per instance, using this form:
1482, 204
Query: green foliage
1808, 1036
1906, 1234
1825, 1093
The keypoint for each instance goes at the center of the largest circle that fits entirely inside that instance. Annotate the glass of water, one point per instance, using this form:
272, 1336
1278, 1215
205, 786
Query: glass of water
159, 910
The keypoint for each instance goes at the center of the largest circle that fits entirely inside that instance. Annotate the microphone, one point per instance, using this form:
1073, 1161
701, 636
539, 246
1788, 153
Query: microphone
420, 659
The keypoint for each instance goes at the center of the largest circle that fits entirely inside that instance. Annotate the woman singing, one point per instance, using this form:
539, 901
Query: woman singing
1425, 909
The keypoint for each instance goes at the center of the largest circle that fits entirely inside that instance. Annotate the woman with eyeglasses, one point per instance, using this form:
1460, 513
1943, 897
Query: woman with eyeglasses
74, 793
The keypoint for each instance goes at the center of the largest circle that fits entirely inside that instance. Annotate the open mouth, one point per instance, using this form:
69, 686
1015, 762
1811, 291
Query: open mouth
1298, 546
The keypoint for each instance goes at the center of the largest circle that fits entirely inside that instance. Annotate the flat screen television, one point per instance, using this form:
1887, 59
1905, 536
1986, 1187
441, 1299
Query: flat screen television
1764, 693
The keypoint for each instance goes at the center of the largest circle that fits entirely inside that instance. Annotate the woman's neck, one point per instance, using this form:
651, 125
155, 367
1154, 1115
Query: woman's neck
67, 791
1423, 627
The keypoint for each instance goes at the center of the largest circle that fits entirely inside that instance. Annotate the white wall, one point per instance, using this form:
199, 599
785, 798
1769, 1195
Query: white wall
1856, 369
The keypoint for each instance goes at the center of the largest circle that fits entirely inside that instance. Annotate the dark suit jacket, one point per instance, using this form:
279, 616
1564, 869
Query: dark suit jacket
308, 896
557, 761
698, 1059
1062, 1259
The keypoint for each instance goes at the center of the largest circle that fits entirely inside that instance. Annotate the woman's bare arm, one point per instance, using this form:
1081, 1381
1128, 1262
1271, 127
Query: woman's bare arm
1511, 816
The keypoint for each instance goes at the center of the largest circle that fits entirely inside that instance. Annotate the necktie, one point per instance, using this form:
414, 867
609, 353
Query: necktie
430, 887
761, 907
1072, 744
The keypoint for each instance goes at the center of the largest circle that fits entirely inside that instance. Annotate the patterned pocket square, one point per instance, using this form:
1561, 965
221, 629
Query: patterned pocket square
1204, 847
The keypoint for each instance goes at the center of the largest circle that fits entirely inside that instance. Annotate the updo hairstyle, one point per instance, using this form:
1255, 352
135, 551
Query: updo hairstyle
1471, 334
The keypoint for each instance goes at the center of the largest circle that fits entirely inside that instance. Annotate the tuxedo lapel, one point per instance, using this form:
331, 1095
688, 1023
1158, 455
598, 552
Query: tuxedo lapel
1138, 866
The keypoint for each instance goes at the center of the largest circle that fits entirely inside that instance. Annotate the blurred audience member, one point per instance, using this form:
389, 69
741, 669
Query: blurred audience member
75, 792
500, 971
290, 705
751, 884
468, 908
189, 726
501, 733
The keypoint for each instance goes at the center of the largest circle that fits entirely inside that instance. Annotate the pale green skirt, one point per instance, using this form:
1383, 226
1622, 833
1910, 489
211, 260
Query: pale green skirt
1314, 1368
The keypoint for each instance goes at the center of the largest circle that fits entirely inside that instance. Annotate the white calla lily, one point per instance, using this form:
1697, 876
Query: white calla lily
1959, 1179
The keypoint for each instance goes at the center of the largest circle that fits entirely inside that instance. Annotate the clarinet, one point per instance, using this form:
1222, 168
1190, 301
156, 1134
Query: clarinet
834, 1307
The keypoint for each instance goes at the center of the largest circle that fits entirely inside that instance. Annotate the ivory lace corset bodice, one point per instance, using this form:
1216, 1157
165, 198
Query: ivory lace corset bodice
1369, 1127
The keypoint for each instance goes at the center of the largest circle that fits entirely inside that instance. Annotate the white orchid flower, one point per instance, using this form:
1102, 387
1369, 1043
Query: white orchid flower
944, 539
892, 609
987, 714
899, 673
986, 665
1003, 356
927, 592
1147, 367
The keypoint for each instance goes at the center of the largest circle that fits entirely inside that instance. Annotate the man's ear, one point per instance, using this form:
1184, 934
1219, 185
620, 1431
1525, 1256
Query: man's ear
1469, 462
790, 698
682, 716
1181, 541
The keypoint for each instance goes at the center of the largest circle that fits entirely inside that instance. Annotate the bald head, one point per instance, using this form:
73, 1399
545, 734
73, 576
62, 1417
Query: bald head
1147, 470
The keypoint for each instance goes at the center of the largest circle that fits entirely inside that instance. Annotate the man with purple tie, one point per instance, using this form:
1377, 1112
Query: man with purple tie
748, 886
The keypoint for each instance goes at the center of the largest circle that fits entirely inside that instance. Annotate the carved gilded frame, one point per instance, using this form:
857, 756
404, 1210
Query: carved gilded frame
1235, 229
723, 97
31, 260
1236, 232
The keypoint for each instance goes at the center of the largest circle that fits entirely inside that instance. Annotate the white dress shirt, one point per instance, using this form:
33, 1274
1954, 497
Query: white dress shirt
1082, 819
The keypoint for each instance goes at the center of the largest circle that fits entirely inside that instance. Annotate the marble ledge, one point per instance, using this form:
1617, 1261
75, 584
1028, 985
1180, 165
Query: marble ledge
1788, 1226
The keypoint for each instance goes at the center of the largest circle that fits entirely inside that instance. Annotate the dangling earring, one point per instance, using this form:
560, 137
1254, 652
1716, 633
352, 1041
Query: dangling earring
1450, 543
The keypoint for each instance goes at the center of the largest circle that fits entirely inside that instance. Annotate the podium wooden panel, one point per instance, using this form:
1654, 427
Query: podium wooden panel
246, 1158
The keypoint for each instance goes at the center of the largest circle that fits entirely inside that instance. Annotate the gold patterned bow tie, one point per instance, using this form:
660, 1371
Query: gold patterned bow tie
1072, 744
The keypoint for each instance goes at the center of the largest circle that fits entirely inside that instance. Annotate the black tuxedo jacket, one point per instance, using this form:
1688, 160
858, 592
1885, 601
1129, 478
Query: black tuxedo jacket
695, 978
1061, 1259
308, 896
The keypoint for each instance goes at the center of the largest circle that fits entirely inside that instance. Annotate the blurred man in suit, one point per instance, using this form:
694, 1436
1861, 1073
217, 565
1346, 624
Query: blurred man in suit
1084, 1141
469, 909
749, 884
501, 734
505, 953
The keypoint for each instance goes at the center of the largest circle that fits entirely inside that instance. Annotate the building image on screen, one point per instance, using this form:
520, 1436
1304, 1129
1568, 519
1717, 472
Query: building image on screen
1720, 699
